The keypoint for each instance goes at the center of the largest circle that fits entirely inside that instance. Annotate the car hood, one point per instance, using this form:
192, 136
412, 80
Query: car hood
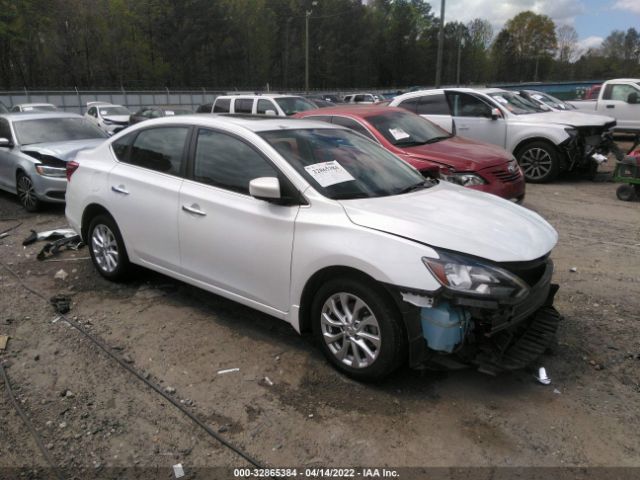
462, 154
117, 118
62, 150
458, 219
574, 119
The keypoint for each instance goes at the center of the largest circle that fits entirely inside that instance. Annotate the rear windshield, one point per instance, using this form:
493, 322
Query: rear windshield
343, 165
55, 130
293, 105
404, 129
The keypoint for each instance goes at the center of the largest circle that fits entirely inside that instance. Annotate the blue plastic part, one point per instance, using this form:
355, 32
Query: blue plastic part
444, 327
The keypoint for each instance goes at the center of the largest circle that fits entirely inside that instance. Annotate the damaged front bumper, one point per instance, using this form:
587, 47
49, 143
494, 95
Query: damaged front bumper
587, 147
457, 331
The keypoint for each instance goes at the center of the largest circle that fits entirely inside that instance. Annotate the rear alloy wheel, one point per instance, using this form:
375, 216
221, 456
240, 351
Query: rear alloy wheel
26, 193
358, 328
539, 162
107, 248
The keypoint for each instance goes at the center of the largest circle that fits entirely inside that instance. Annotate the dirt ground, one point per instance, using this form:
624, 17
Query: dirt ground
95, 417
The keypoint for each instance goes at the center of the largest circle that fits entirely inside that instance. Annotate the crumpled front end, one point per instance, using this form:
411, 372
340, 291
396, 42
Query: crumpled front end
454, 330
588, 146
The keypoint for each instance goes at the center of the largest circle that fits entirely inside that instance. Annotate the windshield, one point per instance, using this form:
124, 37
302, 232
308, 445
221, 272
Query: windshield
55, 130
515, 103
553, 102
343, 165
293, 105
106, 111
404, 129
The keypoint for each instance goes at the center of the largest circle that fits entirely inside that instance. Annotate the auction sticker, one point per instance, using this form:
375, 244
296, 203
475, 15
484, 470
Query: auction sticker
328, 173
398, 133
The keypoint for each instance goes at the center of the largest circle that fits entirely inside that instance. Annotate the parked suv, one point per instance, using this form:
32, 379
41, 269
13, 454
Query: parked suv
320, 227
268, 104
544, 143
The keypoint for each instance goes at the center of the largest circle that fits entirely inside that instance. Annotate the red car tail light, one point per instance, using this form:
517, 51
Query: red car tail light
71, 168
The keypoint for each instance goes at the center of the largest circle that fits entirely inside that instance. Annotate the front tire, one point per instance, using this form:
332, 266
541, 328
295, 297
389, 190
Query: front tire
106, 248
627, 192
358, 328
539, 161
26, 193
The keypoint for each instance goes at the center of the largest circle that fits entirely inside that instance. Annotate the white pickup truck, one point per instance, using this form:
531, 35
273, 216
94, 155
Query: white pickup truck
619, 98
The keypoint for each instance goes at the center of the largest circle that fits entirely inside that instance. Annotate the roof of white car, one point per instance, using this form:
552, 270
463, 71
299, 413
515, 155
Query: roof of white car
18, 116
34, 105
261, 95
254, 123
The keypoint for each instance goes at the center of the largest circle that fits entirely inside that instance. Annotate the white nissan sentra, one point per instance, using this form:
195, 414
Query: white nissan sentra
317, 225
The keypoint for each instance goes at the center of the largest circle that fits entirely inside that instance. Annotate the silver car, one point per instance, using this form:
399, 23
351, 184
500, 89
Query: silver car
34, 150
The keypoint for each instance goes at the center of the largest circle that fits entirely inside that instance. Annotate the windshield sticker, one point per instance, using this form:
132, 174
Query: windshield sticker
398, 133
501, 99
104, 112
27, 109
538, 97
169, 112
328, 173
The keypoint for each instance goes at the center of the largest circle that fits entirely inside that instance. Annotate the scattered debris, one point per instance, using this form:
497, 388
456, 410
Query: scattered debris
53, 248
5, 233
178, 471
127, 358
268, 381
228, 370
542, 376
573, 269
556, 391
170, 390
61, 303
56, 234
3, 341
61, 275
223, 429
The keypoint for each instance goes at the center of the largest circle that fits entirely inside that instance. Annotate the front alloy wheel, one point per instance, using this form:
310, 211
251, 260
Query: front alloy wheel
27, 193
358, 327
350, 330
539, 162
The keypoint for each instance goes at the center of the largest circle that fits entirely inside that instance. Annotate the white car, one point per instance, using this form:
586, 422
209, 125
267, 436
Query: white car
362, 98
267, 104
545, 143
110, 118
34, 107
316, 225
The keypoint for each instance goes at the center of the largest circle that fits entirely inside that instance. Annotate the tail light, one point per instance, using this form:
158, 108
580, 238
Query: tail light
72, 166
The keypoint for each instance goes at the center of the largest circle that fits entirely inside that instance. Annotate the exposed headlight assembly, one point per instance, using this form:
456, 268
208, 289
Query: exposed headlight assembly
458, 273
464, 179
47, 171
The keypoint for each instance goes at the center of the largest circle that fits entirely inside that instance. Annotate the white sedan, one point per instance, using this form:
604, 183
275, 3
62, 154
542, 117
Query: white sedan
316, 225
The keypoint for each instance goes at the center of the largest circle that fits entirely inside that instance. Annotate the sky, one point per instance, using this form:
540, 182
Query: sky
592, 19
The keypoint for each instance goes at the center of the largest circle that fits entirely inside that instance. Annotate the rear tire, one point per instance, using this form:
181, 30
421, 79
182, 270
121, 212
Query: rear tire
107, 249
627, 192
539, 161
358, 328
27, 193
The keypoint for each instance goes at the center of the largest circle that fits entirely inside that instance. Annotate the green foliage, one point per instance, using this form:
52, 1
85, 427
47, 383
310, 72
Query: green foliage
251, 43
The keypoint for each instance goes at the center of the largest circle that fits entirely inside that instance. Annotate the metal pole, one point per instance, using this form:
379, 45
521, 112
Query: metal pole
460, 40
306, 54
440, 46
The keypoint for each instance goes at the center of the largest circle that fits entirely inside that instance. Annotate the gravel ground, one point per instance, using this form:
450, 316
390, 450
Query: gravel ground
286, 406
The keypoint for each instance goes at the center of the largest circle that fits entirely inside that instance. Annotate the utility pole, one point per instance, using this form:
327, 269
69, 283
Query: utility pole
440, 46
306, 51
460, 45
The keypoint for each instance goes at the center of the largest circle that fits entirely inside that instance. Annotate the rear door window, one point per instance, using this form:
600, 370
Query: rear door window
159, 149
264, 105
353, 125
243, 105
121, 146
465, 105
433, 105
222, 105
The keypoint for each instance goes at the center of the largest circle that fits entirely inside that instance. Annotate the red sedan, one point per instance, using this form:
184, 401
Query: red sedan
427, 147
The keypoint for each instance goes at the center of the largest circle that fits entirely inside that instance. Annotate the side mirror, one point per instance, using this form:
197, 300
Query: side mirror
272, 113
632, 98
265, 188
5, 142
496, 113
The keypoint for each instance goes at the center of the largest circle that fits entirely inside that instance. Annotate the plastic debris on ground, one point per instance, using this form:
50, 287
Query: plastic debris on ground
61, 303
3, 341
61, 275
556, 391
542, 376
268, 381
56, 234
60, 238
178, 470
573, 269
228, 370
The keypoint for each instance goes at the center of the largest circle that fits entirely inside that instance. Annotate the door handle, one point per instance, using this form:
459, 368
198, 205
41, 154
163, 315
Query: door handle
119, 189
195, 209
611, 106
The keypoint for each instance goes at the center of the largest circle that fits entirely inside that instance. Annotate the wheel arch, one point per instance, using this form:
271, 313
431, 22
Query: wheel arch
524, 142
90, 212
318, 278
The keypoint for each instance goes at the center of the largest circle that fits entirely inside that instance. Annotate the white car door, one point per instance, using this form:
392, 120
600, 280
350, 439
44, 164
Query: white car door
229, 240
473, 119
144, 194
615, 102
7, 159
